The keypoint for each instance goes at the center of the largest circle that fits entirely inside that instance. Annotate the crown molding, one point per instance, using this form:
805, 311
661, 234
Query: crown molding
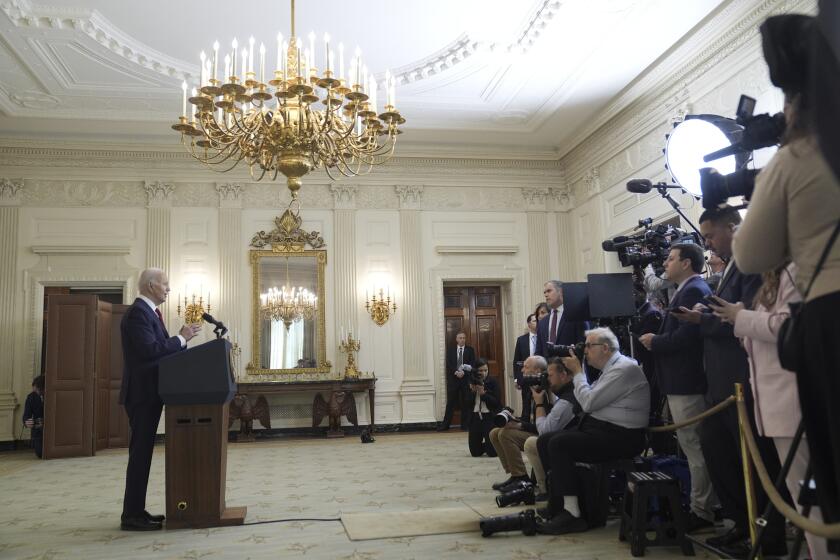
81, 249
473, 249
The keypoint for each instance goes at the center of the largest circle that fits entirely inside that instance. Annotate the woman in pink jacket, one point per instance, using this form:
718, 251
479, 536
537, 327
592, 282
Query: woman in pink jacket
777, 412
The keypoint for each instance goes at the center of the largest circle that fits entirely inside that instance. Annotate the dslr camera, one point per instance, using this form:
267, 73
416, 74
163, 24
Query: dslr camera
525, 521
540, 381
501, 419
564, 351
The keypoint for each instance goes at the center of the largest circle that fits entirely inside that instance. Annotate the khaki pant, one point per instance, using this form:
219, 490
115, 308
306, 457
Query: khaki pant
509, 444
534, 458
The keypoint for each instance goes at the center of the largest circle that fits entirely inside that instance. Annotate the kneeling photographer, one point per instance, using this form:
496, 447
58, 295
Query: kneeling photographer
616, 409
485, 398
555, 407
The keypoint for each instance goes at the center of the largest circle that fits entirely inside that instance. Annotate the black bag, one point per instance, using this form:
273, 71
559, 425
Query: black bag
790, 344
593, 493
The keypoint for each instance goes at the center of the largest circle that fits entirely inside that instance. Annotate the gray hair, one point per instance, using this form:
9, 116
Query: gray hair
606, 336
558, 285
149, 275
542, 364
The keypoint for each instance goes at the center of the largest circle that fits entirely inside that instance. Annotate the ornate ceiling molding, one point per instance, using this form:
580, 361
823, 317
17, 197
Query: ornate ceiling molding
344, 196
9, 189
158, 193
230, 195
410, 196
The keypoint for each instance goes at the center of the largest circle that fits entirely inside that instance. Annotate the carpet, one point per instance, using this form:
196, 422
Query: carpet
377, 525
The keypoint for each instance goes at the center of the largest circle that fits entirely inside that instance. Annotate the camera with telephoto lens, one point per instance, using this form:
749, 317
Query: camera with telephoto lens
526, 521
564, 351
650, 246
523, 493
501, 419
540, 381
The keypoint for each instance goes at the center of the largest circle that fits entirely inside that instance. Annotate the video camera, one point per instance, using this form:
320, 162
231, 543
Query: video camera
760, 131
650, 246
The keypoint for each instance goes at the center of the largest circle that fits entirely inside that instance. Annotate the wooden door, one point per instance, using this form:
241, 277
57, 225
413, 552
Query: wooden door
101, 408
477, 311
70, 376
117, 418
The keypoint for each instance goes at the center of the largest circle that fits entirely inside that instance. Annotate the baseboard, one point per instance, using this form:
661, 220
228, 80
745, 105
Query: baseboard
270, 433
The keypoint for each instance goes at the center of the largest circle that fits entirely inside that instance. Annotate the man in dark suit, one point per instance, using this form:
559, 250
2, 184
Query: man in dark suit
726, 364
678, 358
526, 346
145, 341
456, 381
554, 327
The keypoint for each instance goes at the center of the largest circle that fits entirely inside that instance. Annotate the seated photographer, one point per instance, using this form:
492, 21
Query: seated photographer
616, 409
554, 409
33, 414
486, 402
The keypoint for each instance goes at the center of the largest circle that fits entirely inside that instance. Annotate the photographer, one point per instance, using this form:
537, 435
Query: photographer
33, 414
554, 409
616, 411
486, 402
794, 213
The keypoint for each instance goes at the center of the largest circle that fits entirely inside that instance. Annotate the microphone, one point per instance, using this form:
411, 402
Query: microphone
639, 186
220, 329
616, 243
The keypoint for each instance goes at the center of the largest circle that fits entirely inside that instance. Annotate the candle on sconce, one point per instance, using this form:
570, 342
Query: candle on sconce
244, 63
340, 61
311, 57
342, 335
192, 115
262, 63
235, 45
215, 59
202, 76
250, 55
326, 52
184, 104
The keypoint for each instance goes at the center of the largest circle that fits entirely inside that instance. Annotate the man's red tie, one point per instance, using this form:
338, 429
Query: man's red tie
160, 316
552, 327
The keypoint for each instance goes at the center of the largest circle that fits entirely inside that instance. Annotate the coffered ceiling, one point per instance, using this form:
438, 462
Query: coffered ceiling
490, 78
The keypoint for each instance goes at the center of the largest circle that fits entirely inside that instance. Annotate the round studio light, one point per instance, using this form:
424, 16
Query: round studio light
694, 138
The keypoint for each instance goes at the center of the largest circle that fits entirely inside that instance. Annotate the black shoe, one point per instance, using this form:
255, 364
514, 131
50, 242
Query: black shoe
732, 536
544, 512
694, 522
499, 485
139, 524
541, 497
514, 483
155, 518
561, 524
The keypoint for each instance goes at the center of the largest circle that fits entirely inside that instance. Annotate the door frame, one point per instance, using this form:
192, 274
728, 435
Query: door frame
511, 279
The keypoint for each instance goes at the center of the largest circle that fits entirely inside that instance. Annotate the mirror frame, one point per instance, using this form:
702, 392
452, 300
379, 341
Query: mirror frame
297, 374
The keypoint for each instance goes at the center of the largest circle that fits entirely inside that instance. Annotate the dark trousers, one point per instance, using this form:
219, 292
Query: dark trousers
527, 397
819, 395
455, 397
37, 439
593, 441
720, 441
479, 436
143, 419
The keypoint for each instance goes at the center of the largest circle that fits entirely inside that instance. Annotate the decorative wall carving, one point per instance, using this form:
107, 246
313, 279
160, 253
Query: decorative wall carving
410, 196
9, 189
230, 195
158, 193
344, 196
535, 197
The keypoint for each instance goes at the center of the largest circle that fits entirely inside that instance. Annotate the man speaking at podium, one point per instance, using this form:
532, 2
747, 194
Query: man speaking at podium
145, 341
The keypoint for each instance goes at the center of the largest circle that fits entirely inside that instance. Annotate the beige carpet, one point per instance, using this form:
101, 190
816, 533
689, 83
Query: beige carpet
368, 526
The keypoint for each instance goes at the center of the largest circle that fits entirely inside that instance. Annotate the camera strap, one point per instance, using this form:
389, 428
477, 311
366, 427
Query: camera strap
822, 259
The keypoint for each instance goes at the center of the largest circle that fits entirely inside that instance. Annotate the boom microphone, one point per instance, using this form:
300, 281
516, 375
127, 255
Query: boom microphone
220, 329
640, 186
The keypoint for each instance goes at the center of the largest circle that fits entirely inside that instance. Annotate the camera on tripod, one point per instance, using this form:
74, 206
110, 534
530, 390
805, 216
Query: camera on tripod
650, 246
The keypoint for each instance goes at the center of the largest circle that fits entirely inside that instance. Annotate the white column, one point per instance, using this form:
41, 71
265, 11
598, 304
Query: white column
417, 390
565, 234
159, 229
538, 257
9, 222
344, 259
231, 298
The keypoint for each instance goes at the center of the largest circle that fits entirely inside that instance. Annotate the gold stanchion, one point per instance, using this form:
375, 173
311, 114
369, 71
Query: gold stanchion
749, 483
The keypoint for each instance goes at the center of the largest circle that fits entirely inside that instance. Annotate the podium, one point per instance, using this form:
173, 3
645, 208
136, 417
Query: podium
197, 386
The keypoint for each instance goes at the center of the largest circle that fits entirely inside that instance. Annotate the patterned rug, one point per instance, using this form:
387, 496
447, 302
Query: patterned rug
70, 508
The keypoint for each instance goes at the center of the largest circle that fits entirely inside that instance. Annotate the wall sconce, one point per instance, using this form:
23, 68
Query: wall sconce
193, 310
382, 308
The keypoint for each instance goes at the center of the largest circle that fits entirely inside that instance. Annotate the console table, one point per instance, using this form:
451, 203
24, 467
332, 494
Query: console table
328, 386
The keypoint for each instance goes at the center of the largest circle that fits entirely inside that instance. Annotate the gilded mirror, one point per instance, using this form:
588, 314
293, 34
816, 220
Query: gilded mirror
288, 318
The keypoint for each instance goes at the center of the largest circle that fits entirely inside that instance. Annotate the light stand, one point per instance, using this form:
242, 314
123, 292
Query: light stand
662, 188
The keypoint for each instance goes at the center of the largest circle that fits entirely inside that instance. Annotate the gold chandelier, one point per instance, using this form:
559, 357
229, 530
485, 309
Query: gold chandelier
237, 118
288, 304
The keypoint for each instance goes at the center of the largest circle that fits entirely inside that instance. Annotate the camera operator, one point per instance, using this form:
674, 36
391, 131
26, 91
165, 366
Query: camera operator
526, 345
486, 399
678, 354
554, 328
726, 364
456, 387
33, 414
793, 214
616, 411
554, 409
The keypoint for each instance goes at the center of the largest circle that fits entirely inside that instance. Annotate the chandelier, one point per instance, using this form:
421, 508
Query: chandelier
288, 304
275, 126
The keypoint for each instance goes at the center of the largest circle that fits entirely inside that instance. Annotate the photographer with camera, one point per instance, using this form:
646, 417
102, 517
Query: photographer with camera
486, 399
33, 414
678, 355
616, 409
795, 213
459, 360
555, 407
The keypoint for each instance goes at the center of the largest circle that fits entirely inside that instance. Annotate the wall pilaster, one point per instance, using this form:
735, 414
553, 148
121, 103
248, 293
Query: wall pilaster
159, 228
10, 191
344, 257
230, 257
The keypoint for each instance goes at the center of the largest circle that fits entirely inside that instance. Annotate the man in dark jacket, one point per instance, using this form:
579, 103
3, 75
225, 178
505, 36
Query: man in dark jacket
33, 415
457, 357
726, 364
555, 328
526, 346
678, 355
145, 341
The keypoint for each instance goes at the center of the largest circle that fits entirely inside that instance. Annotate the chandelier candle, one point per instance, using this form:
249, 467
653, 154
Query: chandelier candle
302, 119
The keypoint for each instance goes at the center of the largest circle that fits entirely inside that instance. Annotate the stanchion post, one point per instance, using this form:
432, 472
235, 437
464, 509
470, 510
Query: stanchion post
749, 483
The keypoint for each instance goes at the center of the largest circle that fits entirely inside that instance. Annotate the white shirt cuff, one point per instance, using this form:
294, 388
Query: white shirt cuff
183, 340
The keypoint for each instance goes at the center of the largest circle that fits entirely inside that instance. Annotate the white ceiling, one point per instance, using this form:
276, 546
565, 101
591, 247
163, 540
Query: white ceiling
483, 77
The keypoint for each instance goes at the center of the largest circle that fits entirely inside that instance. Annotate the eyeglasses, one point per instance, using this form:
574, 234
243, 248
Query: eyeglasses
591, 344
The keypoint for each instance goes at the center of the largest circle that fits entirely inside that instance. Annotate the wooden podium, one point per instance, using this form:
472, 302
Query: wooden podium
197, 386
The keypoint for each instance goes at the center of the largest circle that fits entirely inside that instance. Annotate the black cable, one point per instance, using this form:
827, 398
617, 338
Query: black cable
287, 520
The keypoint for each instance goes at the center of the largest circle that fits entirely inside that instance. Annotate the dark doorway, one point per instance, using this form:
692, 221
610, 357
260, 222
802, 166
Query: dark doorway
477, 312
